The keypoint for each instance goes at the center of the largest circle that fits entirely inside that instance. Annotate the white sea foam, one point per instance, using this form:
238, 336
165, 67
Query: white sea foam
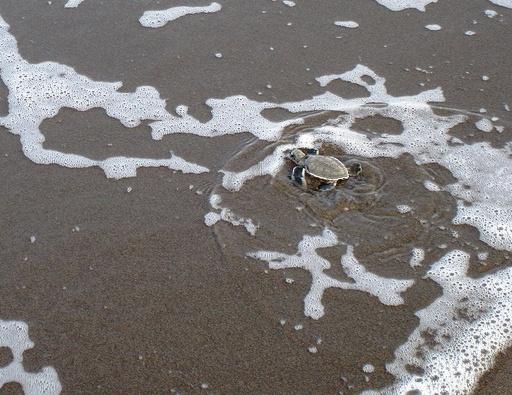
237, 114
403, 208
431, 186
38, 91
491, 13
433, 27
14, 335
349, 24
289, 3
417, 257
227, 215
483, 173
73, 3
399, 5
459, 334
231, 115
3, 24
484, 125
160, 18
502, 3
482, 256
385, 289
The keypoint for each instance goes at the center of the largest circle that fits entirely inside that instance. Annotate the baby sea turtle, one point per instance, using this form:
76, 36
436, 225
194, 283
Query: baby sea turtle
327, 169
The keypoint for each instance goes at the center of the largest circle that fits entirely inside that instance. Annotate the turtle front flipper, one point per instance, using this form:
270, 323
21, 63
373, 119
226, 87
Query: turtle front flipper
312, 151
355, 169
327, 186
299, 175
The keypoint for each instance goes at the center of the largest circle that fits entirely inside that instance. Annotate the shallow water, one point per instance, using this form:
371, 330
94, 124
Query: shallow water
122, 285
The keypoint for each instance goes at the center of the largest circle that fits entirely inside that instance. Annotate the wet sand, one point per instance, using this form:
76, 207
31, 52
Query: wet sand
144, 298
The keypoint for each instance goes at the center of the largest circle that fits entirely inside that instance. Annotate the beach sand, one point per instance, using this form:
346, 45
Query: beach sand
130, 292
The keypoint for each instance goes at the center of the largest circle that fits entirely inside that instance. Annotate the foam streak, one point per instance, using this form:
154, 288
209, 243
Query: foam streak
459, 334
386, 290
157, 19
14, 335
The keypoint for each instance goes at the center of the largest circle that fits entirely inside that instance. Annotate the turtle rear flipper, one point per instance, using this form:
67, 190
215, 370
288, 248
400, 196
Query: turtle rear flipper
299, 175
355, 169
327, 186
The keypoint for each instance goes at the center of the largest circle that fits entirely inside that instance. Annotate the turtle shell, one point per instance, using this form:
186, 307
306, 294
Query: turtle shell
325, 168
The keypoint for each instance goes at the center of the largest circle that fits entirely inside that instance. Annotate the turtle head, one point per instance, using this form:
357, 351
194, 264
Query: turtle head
297, 155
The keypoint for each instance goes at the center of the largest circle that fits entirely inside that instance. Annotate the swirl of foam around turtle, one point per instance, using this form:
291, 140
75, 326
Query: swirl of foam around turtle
483, 173
14, 335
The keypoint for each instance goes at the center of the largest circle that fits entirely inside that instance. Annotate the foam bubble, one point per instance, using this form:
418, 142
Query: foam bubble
14, 335
399, 5
385, 289
484, 125
459, 334
211, 218
289, 3
368, 368
403, 208
160, 18
491, 13
73, 3
433, 27
349, 24
482, 256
